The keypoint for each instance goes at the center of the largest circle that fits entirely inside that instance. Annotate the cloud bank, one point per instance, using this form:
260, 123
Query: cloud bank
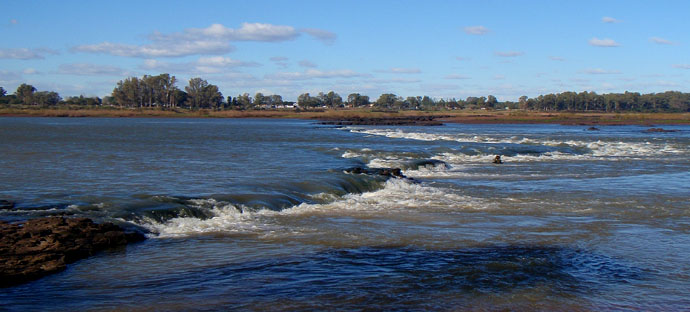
26, 54
212, 40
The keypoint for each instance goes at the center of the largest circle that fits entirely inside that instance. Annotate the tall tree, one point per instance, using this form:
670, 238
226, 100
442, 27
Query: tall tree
25, 93
201, 94
195, 92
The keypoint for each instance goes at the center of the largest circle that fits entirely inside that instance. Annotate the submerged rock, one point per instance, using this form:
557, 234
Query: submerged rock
652, 130
593, 129
44, 246
6, 205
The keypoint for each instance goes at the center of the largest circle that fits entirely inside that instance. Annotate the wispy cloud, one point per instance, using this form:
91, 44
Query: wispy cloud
399, 70
212, 40
14, 21
682, 66
610, 20
556, 58
456, 77
599, 71
462, 58
280, 61
658, 40
26, 54
315, 73
476, 30
508, 53
84, 69
204, 65
158, 49
324, 36
607, 43
306, 63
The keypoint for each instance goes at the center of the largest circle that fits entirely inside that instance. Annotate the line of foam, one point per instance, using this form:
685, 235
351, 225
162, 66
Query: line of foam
397, 196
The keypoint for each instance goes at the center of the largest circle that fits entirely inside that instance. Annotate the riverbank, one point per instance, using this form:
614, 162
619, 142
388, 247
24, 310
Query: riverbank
463, 116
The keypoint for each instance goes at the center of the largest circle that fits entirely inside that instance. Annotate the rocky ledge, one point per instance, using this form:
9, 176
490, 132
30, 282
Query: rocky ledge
39, 247
384, 121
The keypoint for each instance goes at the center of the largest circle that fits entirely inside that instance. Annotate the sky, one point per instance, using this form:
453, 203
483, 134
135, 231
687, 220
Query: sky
443, 49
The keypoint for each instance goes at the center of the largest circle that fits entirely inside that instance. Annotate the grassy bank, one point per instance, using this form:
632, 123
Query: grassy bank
464, 116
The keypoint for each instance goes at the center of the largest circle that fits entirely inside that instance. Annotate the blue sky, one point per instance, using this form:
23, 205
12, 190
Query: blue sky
444, 49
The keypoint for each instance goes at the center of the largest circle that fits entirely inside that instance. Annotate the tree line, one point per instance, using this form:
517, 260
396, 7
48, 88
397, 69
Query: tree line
161, 92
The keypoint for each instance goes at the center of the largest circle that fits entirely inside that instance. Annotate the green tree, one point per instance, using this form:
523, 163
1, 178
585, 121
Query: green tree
25, 93
201, 94
387, 100
244, 101
491, 101
46, 98
259, 99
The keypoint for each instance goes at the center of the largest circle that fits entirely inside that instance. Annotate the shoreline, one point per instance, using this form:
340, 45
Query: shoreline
468, 117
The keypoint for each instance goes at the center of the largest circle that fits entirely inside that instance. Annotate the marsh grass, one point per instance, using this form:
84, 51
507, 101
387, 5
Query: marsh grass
462, 116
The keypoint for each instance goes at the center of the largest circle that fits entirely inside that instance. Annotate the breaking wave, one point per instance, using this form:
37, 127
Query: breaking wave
519, 148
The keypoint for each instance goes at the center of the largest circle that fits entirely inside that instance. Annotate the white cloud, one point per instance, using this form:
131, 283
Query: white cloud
278, 59
399, 70
26, 54
30, 71
456, 76
607, 43
599, 71
84, 69
476, 30
682, 66
212, 40
204, 65
324, 36
461, 58
557, 58
305, 63
608, 19
508, 53
658, 40
158, 49
247, 32
314, 73
499, 77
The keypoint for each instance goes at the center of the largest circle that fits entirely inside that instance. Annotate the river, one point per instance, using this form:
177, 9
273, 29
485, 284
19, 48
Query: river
258, 214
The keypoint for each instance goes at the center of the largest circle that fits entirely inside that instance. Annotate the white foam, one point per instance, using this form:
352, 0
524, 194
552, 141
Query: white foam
397, 196
598, 149
227, 218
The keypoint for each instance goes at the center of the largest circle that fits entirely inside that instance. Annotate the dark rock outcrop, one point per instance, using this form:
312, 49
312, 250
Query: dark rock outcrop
498, 160
385, 121
652, 130
386, 172
44, 246
592, 129
6, 205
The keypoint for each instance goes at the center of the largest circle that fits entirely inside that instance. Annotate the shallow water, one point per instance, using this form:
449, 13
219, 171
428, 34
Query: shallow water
260, 215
